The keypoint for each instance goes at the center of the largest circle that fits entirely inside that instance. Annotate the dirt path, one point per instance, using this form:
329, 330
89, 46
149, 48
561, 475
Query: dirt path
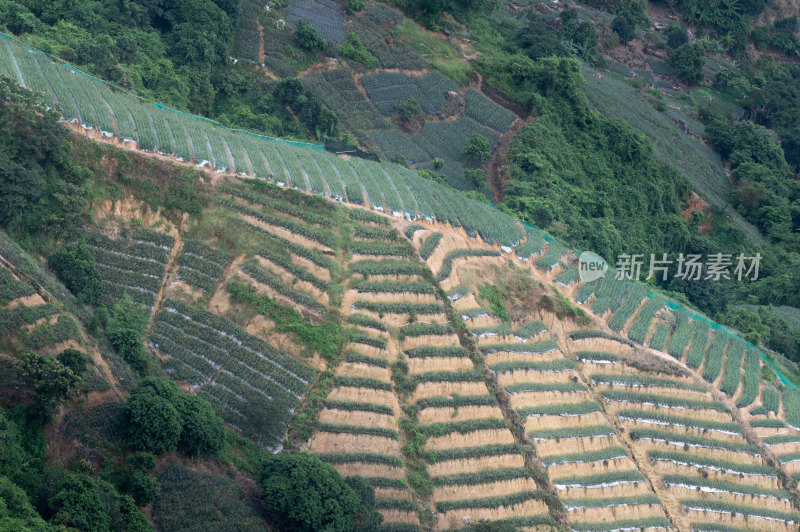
262, 54
170, 274
497, 171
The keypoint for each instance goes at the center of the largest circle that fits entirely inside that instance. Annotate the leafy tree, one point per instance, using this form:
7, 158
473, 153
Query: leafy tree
17, 514
625, 26
141, 487
354, 5
367, 518
476, 176
145, 462
689, 59
308, 37
76, 267
477, 150
74, 360
676, 36
149, 419
287, 91
77, 504
203, 430
126, 330
328, 503
42, 188
49, 378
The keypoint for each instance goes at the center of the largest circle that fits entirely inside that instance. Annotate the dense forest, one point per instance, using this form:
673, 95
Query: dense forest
725, 80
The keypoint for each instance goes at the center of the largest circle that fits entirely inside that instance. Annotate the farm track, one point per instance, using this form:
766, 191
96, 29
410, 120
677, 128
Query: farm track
170, 274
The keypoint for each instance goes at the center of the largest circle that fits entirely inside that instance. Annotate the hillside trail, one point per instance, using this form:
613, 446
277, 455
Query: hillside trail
262, 54
497, 170
170, 274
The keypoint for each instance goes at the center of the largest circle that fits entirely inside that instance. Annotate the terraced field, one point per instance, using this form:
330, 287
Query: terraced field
446, 354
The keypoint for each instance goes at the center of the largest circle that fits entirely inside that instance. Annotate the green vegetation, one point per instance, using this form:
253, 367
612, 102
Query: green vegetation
643, 416
692, 441
609, 453
636, 381
577, 432
723, 465
429, 246
661, 400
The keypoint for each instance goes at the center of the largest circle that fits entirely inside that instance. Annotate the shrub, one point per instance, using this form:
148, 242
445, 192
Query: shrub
624, 25
151, 422
354, 49
689, 59
76, 267
308, 37
203, 431
328, 502
429, 246
676, 36
126, 330
478, 150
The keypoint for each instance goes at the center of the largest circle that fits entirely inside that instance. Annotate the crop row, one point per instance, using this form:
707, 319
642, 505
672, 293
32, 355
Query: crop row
643, 381
791, 400
782, 438
491, 502
609, 293
361, 215
365, 321
366, 247
568, 277
464, 427
772, 400
771, 423
487, 112
562, 364
379, 343
659, 339
457, 401
393, 287
431, 351
566, 410
275, 198
634, 296
362, 382
201, 265
449, 376
12, 288
733, 364
638, 331
11, 321
752, 377
497, 330
429, 246
365, 458
313, 255
697, 351
481, 451
552, 256
715, 355
369, 232
656, 418
341, 428
229, 336
663, 401
369, 267
738, 509
599, 479
358, 358
412, 229
399, 307
725, 466
483, 477
555, 387
682, 334
447, 264
530, 329
320, 235
685, 441
597, 431
424, 329
284, 261
611, 502
472, 313
65, 328
534, 348
648, 523
585, 334
130, 247
532, 246
263, 276
609, 453
598, 357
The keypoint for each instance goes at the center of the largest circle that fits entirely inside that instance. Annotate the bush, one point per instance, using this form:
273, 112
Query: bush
624, 25
141, 487
477, 150
76, 267
354, 5
476, 176
689, 59
308, 37
48, 377
354, 49
126, 331
203, 431
676, 36
304, 494
150, 421
74, 360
